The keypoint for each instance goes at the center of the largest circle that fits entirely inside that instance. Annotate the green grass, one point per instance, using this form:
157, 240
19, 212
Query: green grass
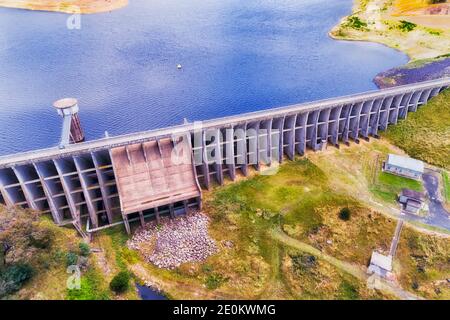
92, 287
118, 243
289, 197
303, 204
388, 186
355, 22
298, 198
349, 290
425, 134
446, 180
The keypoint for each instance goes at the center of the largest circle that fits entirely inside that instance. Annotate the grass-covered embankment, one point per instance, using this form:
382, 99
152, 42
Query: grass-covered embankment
446, 188
424, 264
37, 264
425, 134
47, 250
252, 264
303, 201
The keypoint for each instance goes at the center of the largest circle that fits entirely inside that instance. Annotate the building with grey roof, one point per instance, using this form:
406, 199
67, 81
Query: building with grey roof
404, 166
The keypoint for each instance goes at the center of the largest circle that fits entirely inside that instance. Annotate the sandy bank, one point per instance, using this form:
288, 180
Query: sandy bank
378, 21
68, 6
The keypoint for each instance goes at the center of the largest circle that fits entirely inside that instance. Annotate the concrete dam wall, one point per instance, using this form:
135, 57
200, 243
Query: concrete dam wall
143, 175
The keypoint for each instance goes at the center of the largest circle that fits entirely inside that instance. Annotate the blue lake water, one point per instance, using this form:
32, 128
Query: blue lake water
237, 56
147, 293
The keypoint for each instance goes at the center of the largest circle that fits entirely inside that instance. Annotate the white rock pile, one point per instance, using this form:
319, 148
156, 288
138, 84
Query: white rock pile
175, 241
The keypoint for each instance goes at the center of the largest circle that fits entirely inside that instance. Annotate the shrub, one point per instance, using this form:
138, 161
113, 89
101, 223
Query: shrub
215, 280
407, 26
356, 23
120, 282
84, 249
207, 268
302, 263
18, 273
348, 291
13, 277
345, 214
41, 238
71, 259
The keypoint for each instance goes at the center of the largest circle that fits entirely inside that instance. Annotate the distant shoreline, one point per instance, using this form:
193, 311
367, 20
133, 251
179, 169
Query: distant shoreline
377, 21
380, 22
69, 6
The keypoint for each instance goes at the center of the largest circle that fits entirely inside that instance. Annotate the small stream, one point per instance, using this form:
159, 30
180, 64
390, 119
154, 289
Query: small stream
147, 293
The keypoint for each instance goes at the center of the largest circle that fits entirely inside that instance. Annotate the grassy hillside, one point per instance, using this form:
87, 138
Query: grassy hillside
304, 201
424, 264
425, 135
47, 250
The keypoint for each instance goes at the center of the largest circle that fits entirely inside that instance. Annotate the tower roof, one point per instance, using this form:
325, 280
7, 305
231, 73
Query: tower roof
65, 103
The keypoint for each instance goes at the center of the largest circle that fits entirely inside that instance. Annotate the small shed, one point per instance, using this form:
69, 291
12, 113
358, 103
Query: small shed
380, 264
404, 166
411, 200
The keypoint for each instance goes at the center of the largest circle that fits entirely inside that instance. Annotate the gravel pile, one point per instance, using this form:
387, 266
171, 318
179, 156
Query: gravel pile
175, 241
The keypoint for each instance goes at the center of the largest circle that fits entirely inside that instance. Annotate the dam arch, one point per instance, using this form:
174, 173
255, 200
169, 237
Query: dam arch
82, 183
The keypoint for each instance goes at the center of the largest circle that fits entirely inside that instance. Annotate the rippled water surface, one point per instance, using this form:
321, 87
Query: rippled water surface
237, 56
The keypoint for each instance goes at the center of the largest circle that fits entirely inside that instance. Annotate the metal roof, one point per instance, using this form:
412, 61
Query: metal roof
406, 163
412, 194
382, 261
147, 177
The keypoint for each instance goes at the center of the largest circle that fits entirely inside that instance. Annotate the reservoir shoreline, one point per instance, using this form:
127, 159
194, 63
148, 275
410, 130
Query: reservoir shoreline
236, 58
378, 21
70, 6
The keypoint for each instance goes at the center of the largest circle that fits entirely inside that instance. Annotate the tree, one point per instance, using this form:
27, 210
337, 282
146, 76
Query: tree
21, 235
345, 214
13, 277
120, 282
84, 249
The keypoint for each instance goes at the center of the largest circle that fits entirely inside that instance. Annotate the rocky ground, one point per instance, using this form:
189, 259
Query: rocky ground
422, 70
175, 241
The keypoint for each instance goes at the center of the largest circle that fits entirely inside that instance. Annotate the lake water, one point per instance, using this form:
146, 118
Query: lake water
237, 56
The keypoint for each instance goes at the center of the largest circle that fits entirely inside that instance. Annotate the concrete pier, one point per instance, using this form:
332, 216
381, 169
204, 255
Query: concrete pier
98, 180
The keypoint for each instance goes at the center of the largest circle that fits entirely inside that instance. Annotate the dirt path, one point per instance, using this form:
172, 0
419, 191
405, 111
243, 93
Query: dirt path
396, 238
352, 269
